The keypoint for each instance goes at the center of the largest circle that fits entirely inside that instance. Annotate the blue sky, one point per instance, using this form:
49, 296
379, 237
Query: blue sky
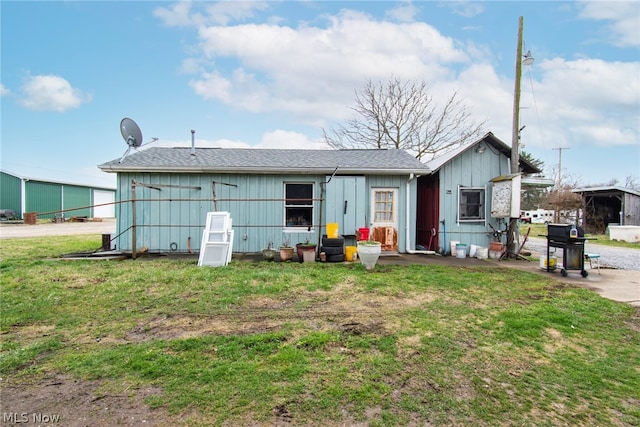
274, 74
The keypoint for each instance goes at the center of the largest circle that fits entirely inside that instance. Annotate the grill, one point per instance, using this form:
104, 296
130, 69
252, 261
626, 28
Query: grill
559, 236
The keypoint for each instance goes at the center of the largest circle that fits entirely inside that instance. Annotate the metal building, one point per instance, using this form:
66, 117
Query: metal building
50, 198
611, 205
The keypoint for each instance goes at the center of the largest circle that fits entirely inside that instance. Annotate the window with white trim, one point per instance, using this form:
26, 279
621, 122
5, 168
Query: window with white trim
298, 205
471, 206
383, 207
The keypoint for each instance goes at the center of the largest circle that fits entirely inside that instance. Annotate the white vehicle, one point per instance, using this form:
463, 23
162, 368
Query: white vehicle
539, 216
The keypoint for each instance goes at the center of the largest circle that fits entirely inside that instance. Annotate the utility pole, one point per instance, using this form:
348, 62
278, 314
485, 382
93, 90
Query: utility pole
515, 130
512, 236
560, 165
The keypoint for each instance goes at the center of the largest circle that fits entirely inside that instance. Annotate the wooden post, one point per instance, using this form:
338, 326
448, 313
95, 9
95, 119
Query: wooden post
134, 252
515, 131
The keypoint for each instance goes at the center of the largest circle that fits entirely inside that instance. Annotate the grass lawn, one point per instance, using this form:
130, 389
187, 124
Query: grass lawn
317, 344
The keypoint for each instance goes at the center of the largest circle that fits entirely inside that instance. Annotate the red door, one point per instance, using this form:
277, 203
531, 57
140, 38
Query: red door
427, 215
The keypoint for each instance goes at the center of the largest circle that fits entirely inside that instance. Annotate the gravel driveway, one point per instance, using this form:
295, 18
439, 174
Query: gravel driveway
13, 231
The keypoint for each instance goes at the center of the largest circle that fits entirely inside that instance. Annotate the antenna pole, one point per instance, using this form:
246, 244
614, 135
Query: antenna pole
134, 252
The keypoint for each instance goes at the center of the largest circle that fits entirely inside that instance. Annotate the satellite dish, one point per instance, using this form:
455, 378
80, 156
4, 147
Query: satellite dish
131, 133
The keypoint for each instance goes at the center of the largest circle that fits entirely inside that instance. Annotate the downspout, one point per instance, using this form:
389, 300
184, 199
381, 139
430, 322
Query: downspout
407, 222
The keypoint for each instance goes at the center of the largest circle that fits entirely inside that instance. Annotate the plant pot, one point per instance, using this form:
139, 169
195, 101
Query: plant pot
309, 256
286, 253
369, 252
268, 254
301, 248
495, 250
495, 246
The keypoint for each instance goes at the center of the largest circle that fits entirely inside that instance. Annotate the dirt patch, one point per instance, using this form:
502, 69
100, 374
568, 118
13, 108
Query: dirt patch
319, 310
62, 400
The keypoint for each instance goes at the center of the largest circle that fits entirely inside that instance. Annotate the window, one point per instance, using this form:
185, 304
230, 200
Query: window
298, 205
383, 208
471, 204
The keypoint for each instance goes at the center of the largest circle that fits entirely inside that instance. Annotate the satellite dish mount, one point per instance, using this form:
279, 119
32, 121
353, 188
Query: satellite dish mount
131, 134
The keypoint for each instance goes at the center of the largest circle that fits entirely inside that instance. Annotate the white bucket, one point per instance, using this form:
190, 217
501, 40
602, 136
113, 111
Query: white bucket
482, 253
553, 262
473, 249
453, 246
461, 250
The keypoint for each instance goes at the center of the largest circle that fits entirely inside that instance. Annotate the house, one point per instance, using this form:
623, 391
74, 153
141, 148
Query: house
20, 194
454, 200
273, 196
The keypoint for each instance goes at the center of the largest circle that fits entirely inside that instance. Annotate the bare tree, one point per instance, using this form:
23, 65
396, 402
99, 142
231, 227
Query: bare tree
403, 115
631, 182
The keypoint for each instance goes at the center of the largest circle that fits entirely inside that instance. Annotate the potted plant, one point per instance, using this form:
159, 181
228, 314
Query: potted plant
306, 251
369, 252
269, 253
286, 251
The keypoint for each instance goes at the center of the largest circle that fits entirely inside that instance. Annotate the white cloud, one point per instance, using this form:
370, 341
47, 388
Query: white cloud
311, 71
287, 139
182, 14
179, 15
468, 9
270, 140
51, 93
581, 104
406, 12
3, 90
623, 16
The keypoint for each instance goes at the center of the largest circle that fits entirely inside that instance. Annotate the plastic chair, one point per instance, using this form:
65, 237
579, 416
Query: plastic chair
591, 258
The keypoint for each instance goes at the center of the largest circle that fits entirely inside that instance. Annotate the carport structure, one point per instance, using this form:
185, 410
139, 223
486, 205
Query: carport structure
602, 206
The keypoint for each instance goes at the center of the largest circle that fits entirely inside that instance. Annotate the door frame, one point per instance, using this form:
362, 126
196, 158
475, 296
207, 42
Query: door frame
379, 229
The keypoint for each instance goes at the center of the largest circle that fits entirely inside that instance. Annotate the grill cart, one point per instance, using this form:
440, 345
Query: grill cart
559, 236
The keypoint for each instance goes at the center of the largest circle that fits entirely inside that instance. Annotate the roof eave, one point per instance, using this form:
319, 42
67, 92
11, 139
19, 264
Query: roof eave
289, 171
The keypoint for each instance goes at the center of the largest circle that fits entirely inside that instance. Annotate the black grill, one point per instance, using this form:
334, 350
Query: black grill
559, 236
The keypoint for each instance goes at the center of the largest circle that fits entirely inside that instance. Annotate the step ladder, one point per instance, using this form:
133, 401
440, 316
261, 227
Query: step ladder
216, 246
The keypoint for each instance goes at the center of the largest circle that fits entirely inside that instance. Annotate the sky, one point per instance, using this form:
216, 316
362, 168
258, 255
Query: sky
274, 74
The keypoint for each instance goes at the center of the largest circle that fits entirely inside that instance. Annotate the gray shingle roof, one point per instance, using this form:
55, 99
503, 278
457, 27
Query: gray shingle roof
246, 160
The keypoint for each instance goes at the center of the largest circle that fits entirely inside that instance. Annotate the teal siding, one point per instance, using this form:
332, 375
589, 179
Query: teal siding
43, 197
10, 193
172, 226
76, 197
469, 169
255, 202
346, 203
